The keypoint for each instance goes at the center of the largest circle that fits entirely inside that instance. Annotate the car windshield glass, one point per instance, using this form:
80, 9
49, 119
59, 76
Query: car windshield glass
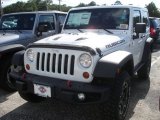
102, 18
17, 22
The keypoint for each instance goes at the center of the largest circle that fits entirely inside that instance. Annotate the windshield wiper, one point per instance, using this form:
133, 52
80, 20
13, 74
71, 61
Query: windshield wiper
80, 30
108, 31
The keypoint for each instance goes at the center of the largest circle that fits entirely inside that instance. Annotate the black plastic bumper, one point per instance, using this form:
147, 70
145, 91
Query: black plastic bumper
62, 89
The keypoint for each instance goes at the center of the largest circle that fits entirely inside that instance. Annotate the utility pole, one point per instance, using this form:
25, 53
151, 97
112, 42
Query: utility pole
59, 4
47, 5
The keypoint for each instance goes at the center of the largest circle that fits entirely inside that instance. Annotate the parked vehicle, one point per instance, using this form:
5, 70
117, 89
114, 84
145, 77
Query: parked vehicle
91, 61
18, 30
154, 28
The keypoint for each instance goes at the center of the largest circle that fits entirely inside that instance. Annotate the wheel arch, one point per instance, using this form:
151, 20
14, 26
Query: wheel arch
128, 67
9, 50
110, 65
147, 49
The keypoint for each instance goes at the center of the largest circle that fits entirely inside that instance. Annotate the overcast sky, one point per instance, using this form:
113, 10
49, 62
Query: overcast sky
99, 2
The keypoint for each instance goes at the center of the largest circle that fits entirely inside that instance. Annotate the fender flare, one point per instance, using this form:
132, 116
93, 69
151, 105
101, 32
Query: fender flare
18, 58
10, 49
108, 66
147, 48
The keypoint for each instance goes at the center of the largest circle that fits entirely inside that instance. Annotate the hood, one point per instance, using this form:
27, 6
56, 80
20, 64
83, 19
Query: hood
12, 38
92, 40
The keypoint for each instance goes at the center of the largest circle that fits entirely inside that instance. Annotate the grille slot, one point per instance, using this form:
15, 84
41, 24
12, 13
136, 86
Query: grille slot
72, 65
55, 63
59, 63
48, 62
43, 60
65, 64
37, 64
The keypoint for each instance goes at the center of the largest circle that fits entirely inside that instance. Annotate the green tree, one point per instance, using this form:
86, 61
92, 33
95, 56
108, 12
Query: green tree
29, 7
49, 2
81, 5
17, 7
118, 3
92, 3
153, 10
34, 5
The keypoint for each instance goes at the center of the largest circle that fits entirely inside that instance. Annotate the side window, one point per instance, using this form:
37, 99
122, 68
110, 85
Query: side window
136, 17
145, 18
61, 18
48, 20
157, 23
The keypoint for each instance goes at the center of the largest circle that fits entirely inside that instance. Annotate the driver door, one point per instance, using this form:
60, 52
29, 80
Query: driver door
137, 40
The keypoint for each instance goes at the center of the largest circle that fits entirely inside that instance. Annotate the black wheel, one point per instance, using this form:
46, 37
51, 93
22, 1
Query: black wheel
144, 71
31, 97
5, 80
117, 106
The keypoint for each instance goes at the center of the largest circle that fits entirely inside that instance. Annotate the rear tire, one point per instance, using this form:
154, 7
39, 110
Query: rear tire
117, 106
31, 97
5, 80
144, 71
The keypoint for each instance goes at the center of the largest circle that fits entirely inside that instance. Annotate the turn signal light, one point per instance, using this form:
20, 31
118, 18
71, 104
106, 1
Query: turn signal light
86, 75
27, 67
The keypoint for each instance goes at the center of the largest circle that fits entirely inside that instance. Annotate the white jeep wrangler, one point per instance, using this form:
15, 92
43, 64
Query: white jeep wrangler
91, 61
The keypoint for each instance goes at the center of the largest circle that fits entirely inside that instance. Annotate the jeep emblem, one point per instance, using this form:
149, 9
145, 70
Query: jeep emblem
42, 89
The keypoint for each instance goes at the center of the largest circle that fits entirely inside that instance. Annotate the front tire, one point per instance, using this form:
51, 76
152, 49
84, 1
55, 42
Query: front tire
144, 71
5, 80
117, 106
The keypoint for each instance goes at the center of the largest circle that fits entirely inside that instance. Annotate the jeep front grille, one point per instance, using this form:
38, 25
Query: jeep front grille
55, 63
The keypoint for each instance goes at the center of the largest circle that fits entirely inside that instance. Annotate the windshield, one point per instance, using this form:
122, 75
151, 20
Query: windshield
17, 22
102, 18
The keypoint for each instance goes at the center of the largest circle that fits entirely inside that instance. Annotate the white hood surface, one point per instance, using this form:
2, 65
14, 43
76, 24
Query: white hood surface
92, 40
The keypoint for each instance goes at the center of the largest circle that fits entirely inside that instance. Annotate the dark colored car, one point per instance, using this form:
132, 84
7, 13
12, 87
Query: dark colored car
154, 28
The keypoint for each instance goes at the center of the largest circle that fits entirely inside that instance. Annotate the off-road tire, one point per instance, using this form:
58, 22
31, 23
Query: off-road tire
31, 97
144, 71
111, 109
6, 82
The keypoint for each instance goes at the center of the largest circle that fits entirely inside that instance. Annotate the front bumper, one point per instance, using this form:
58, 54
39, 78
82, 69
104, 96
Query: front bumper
63, 90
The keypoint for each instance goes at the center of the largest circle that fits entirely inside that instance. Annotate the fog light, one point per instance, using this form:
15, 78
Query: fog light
81, 96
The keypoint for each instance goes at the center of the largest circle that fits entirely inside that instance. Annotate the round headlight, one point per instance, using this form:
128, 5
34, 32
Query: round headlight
30, 55
85, 60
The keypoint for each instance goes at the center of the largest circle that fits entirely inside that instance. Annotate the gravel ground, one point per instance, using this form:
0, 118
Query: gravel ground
144, 104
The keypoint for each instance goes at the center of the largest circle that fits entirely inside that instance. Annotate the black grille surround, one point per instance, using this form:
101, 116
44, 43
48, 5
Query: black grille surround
44, 60
62, 46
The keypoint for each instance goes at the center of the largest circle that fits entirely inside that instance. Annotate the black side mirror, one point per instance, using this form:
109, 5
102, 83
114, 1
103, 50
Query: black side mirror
140, 28
43, 28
